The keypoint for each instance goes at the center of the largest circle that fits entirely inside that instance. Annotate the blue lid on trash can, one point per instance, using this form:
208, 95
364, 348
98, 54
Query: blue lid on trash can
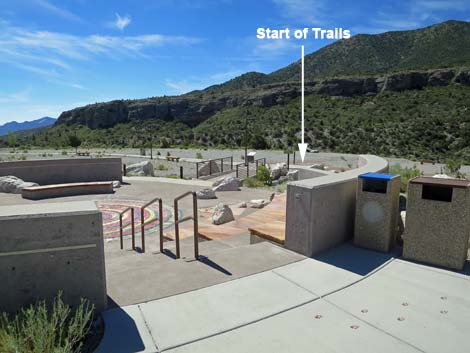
378, 176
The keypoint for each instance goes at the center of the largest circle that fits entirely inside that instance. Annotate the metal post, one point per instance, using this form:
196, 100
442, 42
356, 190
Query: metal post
231, 163
197, 170
210, 167
196, 227
120, 231
142, 228
133, 229
294, 157
181, 172
288, 160
246, 140
222, 164
248, 170
124, 172
160, 220
177, 231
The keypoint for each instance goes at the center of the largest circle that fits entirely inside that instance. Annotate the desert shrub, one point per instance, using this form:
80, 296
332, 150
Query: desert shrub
161, 167
252, 182
453, 167
263, 175
406, 174
37, 329
199, 155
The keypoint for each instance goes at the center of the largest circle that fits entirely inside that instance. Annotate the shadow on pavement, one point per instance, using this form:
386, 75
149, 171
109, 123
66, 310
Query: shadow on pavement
355, 259
121, 334
206, 261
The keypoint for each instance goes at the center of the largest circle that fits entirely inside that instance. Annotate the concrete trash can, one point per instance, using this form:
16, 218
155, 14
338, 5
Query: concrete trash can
437, 221
377, 211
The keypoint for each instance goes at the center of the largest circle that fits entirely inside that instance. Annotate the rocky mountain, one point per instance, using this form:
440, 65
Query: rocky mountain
14, 126
362, 65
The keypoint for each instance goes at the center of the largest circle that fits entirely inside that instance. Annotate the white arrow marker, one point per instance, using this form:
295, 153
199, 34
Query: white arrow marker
303, 146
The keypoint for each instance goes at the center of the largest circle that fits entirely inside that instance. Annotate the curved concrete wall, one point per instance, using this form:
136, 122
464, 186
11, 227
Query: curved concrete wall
60, 171
320, 211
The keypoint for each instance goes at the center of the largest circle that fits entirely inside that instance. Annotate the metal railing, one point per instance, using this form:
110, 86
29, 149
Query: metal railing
178, 221
143, 223
246, 168
211, 164
121, 227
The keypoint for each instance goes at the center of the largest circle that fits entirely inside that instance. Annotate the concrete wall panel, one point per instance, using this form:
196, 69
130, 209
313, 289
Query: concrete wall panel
59, 171
51, 247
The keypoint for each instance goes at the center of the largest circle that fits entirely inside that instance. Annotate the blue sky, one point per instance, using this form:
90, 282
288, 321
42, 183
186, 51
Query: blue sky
59, 54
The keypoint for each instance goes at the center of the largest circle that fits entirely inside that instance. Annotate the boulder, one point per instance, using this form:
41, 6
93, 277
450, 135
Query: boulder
13, 185
278, 170
258, 203
209, 168
222, 214
144, 168
227, 184
292, 175
206, 194
241, 205
116, 184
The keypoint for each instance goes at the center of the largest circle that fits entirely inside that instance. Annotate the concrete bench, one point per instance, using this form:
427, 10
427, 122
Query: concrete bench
62, 190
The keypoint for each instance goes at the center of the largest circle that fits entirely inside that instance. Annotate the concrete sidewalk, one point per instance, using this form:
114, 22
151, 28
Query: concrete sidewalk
307, 306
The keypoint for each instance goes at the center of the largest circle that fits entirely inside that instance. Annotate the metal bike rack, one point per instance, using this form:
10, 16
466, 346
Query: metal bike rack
160, 221
178, 221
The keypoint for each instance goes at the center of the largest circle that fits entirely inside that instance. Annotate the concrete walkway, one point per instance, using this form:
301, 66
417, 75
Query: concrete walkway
315, 305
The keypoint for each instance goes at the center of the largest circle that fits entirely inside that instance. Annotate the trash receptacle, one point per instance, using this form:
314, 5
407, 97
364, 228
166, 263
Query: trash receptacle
377, 211
437, 226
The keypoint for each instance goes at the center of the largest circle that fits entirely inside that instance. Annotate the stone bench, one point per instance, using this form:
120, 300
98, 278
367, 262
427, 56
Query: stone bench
63, 190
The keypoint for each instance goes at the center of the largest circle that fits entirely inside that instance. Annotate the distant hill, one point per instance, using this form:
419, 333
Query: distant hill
442, 45
14, 126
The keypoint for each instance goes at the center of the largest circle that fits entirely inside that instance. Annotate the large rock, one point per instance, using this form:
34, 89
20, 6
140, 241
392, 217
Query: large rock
206, 194
144, 168
222, 214
13, 185
278, 170
258, 203
292, 175
227, 184
209, 168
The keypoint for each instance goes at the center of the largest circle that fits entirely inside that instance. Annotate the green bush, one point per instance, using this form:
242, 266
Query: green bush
252, 182
36, 329
161, 167
406, 174
199, 155
453, 167
264, 175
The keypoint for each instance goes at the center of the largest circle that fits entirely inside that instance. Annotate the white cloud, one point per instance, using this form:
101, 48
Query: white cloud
16, 97
302, 11
52, 54
61, 12
122, 22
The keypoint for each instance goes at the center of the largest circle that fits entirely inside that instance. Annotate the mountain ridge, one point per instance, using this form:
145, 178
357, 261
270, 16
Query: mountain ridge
14, 126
